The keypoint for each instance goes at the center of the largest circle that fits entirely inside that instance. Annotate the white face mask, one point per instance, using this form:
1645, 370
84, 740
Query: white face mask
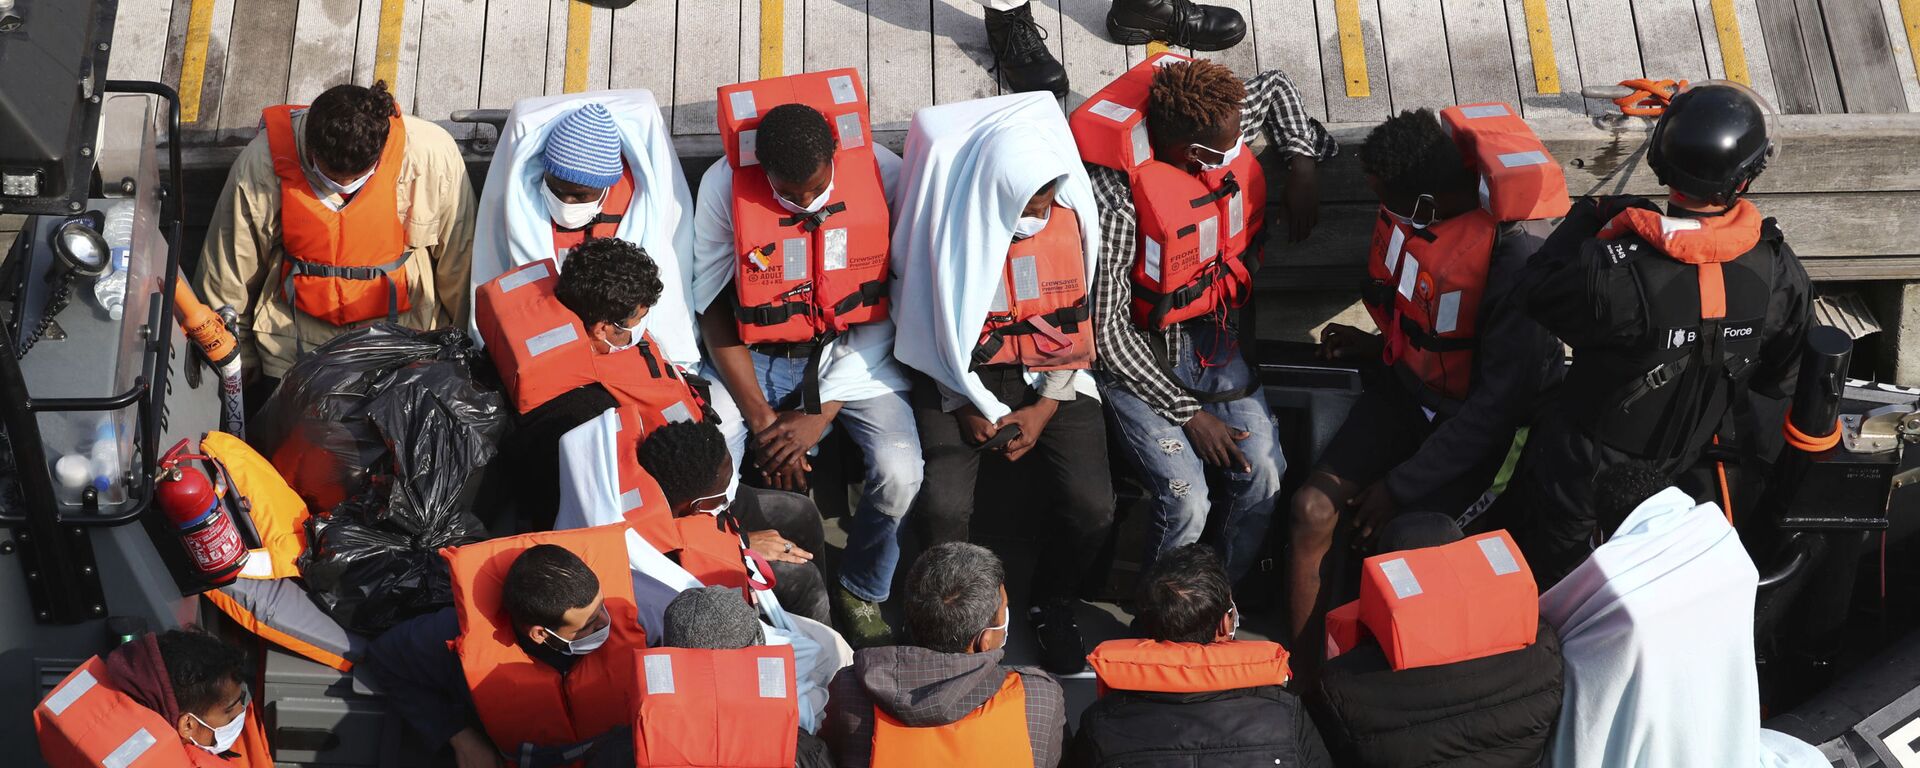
1001, 627
1028, 226
588, 643
1414, 220
813, 207
570, 215
224, 736
1234, 609
634, 334
1226, 158
349, 187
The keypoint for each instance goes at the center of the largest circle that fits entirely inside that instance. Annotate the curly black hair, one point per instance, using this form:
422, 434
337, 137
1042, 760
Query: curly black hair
544, 583
1184, 596
347, 127
1411, 154
794, 140
606, 278
686, 458
197, 663
1190, 99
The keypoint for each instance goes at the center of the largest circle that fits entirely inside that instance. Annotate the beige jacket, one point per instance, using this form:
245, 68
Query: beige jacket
240, 265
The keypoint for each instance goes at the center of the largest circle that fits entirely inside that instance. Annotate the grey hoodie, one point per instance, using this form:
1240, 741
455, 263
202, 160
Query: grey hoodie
922, 688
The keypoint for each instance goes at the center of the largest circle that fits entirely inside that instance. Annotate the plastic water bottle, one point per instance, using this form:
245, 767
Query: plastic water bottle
105, 457
111, 287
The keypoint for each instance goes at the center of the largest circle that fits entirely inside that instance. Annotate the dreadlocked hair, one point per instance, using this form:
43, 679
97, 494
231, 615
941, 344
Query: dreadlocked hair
1410, 153
1189, 99
347, 126
686, 458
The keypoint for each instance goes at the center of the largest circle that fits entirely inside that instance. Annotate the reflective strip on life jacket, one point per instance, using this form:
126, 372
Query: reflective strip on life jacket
720, 708
85, 724
521, 700
995, 734
1519, 179
348, 265
542, 350
613, 208
1149, 665
1438, 605
802, 277
1041, 317
1425, 287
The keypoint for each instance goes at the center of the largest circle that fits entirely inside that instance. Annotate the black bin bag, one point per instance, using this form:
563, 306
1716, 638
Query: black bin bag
385, 431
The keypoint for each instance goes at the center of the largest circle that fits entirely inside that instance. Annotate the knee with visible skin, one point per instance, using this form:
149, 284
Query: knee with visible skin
1314, 512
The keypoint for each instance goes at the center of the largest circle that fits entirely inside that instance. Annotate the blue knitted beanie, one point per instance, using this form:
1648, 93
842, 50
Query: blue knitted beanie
585, 148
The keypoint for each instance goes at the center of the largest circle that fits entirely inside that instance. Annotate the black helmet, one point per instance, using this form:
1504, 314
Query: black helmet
1710, 143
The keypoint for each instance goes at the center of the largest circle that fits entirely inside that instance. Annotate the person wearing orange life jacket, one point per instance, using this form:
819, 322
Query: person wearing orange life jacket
790, 280
1676, 317
569, 347
947, 699
338, 214
177, 699
1171, 148
994, 241
1458, 366
537, 649
1190, 691
1490, 701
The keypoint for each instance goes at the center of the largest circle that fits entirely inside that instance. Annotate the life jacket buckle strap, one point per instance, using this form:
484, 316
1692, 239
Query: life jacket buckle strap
1229, 186
811, 221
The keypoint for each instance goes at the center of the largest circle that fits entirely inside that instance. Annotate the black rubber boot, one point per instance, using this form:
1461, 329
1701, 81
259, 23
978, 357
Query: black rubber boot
1020, 53
1178, 22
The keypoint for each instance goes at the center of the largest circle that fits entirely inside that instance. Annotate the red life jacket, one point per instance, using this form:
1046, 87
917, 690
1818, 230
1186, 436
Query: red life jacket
707, 548
716, 708
803, 277
1199, 234
1157, 667
542, 350
1425, 286
84, 723
1041, 318
995, 734
1456, 602
521, 700
348, 265
613, 208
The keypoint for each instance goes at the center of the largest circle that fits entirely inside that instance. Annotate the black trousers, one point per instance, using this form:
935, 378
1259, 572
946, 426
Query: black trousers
1071, 511
800, 588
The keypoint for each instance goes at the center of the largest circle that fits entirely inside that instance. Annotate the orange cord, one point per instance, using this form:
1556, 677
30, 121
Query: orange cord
1804, 442
1650, 97
1726, 496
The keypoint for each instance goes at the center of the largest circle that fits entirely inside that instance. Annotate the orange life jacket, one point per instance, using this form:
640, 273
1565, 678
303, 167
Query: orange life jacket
613, 208
521, 700
708, 548
1425, 285
1199, 234
1041, 317
348, 265
84, 723
1466, 600
1150, 665
711, 708
542, 350
804, 277
995, 734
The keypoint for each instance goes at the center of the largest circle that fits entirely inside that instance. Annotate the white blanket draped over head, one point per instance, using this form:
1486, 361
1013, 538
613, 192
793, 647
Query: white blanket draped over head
513, 227
1657, 632
590, 496
970, 169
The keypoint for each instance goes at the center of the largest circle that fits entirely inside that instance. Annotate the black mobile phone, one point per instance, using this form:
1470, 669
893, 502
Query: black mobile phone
1000, 439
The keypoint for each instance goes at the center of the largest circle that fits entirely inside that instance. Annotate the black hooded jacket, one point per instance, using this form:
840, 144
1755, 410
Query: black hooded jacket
1261, 727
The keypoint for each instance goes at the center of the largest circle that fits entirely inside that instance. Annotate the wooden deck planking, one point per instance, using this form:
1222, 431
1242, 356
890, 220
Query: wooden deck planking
1243, 58
643, 46
1046, 13
1813, 30
598, 36
900, 47
366, 50
1535, 102
140, 42
324, 37
961, 58
1607, 46
836, 36
707, 56
792, 27
1480, 52
452, 36
1863, 54
260, 63
1669, 36
1415, 41
199, 104
1342, 108
1903, 60
1286, 37
1752, 48
513, 61
1795, 89
1091, 59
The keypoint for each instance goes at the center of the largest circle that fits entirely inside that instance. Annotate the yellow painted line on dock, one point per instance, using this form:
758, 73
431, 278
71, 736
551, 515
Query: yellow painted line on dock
1733, 53
1353, 48
386, 47
1155, 48
773, 38
579, 46
193, 64
1546, 69
1910, 18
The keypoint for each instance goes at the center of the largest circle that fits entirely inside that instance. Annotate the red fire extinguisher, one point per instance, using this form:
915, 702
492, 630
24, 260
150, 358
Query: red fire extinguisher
204, 525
